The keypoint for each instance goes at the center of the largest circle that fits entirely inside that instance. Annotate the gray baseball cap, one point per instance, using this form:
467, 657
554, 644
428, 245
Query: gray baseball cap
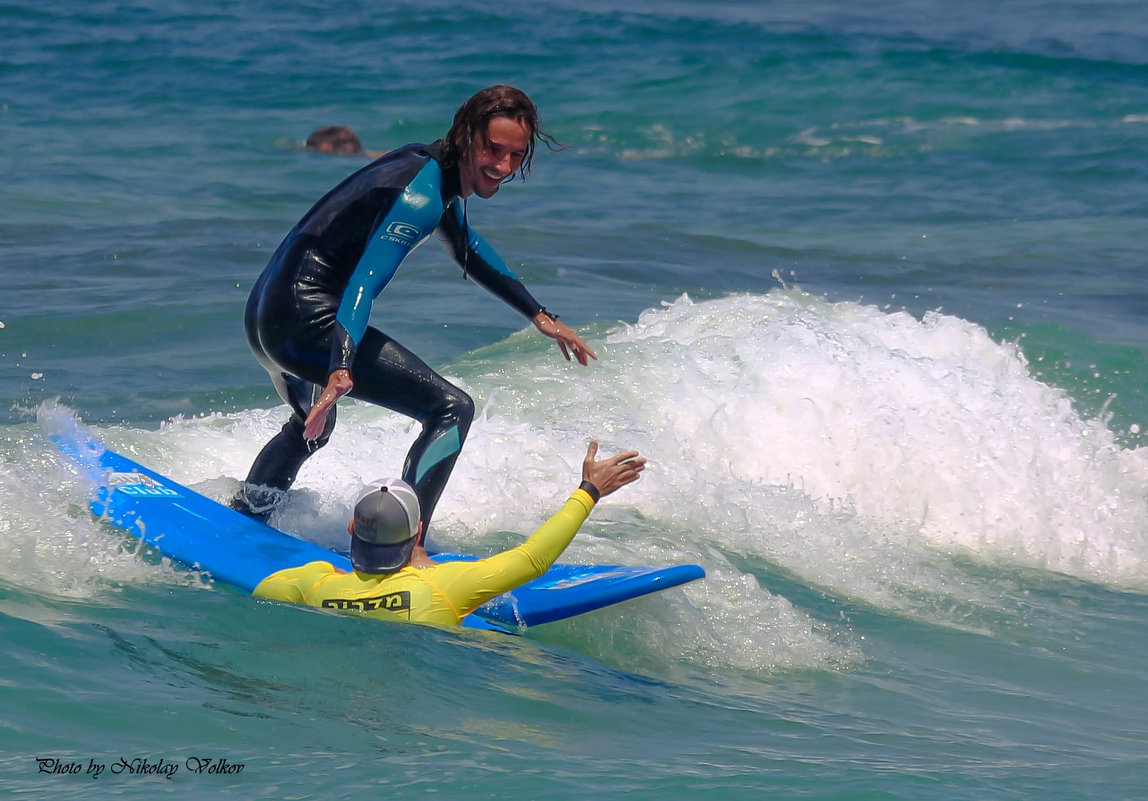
386, 526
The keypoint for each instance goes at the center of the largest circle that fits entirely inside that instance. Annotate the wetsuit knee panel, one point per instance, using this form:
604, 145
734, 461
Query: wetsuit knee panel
459, 407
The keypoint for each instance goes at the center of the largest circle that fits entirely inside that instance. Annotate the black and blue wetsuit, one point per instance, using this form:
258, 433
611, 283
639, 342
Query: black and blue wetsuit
307, 315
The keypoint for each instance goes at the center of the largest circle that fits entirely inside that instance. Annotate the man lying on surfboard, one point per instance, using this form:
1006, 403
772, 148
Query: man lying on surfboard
393, 580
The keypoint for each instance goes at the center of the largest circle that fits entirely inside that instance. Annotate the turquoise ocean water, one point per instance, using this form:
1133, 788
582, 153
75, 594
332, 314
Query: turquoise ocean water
869, 287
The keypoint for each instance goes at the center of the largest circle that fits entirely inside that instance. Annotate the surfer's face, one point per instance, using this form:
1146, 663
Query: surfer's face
494, 156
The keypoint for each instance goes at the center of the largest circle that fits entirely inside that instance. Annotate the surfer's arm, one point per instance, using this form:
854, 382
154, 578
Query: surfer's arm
465, 586
480, 262
491, 577
405, 226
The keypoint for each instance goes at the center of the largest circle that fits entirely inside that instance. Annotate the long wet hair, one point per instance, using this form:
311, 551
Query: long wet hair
473, 118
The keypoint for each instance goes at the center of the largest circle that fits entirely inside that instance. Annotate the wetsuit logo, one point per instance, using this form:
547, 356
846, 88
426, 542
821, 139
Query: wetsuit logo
403, 231
140, 486
396, 602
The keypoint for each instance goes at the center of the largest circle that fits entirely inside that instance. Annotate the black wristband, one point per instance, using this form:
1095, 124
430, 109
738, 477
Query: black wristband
591, 490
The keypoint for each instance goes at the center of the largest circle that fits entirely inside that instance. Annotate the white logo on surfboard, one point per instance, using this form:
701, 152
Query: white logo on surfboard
140, 486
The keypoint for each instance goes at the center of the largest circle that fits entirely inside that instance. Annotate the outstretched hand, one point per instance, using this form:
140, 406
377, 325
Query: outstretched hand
568, 341
611, 473
339, 383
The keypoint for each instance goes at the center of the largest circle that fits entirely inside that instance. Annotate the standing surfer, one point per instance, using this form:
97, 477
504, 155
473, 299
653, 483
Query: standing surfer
307, 316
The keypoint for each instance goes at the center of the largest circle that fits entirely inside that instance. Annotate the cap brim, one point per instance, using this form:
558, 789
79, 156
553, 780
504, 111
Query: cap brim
371, 558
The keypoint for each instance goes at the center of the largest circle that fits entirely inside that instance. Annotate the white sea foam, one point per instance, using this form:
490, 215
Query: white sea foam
848, 444
49, 545
856, 449
926, 432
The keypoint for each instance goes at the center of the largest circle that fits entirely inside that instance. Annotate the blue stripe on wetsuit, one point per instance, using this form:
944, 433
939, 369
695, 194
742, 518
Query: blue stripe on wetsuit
445, 446
480, 263
407, 225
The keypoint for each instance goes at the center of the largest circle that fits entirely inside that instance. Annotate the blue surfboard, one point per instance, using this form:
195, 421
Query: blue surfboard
204, 535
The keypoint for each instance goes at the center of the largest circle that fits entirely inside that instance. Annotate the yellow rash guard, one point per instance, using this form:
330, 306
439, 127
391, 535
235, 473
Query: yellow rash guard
443, 594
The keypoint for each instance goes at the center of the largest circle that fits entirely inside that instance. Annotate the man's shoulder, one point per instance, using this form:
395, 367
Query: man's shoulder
399, 167
318, 567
